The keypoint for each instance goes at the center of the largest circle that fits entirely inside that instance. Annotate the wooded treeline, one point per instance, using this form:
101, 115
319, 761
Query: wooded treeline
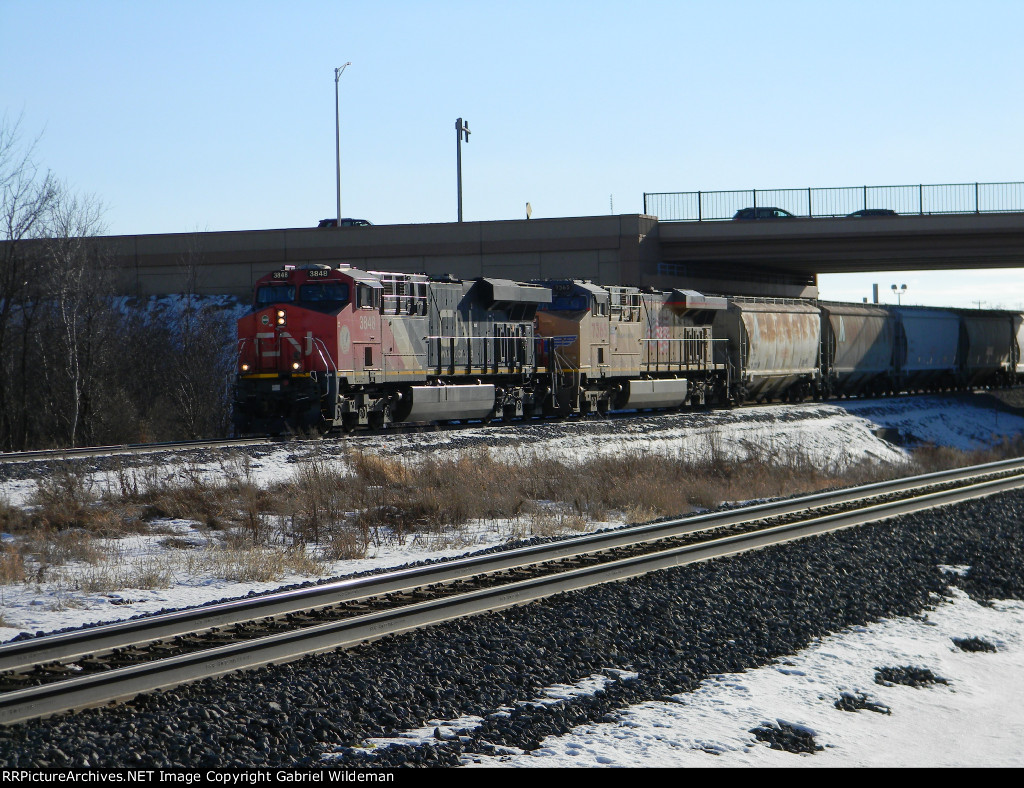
80, 365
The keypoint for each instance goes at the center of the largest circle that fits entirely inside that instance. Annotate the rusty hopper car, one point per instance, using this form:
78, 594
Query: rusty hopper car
927, 348
857, 349
772, 348
988, 344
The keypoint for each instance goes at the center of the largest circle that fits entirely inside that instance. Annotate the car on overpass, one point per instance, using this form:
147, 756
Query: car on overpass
344, 223
870, 213
762, 213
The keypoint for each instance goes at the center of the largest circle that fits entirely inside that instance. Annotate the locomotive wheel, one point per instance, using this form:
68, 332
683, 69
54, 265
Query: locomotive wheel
379, 418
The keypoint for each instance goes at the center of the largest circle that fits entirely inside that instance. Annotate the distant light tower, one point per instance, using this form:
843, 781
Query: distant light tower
899, 293
460, 127
337, 133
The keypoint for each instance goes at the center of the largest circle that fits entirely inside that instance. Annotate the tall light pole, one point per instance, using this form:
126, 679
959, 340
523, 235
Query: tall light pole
460, 127
899, 293
337, 133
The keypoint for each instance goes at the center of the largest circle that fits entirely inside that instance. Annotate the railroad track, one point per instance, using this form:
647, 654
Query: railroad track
40, 455
98, 665
129, 449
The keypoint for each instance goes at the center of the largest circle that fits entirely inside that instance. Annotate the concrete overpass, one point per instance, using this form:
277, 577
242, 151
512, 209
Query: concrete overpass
784, 251
766, 257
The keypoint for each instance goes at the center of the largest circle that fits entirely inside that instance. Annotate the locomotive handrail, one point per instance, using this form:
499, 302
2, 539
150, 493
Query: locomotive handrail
326, 357
465, 338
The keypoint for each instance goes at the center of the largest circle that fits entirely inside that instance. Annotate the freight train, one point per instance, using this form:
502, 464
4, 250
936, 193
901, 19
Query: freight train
337, 348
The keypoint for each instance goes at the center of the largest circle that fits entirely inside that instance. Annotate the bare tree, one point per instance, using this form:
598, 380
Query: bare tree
78, 292
77, 364
201, 357
26, 196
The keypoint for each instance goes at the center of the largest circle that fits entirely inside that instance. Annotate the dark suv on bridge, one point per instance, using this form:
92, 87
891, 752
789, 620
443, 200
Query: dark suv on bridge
763, 213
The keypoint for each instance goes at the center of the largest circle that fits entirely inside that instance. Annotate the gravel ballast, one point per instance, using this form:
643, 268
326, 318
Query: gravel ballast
672, 628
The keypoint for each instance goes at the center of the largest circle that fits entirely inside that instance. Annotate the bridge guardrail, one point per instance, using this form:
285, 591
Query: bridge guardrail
937, 198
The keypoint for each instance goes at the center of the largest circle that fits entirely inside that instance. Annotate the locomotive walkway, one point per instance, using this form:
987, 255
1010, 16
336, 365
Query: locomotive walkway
99, 665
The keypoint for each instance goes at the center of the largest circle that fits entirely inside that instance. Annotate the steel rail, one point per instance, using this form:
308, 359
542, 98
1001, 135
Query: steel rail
128, 448
125, 683
37, 455
66, 646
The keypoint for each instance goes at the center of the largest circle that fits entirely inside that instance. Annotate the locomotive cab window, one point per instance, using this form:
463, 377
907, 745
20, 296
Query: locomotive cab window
367, 297
274, 294
324, 296
564, 304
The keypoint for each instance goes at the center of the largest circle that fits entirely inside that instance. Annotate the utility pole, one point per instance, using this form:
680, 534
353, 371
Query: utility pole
460, 127
337, 133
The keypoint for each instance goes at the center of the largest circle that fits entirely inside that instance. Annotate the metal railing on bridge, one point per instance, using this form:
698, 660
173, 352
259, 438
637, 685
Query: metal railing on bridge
939, 198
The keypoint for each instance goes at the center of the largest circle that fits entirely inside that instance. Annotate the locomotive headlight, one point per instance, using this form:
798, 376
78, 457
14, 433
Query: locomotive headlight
281, 317
245, 367
296, 365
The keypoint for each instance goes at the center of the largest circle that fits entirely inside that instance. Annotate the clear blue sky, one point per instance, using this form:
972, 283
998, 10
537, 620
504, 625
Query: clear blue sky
184, 116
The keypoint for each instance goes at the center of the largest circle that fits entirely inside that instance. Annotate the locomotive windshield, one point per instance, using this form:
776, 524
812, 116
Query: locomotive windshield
274, 294
324, 296
564, 303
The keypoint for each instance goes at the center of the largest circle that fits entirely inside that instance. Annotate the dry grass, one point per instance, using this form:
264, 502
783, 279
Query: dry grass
12, 566
929, 458
115, 573
251, 564
328, 511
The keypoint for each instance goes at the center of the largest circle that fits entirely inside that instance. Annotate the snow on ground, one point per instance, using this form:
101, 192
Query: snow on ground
187, 576
436, 731
933, 420
975, 720
827, 434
